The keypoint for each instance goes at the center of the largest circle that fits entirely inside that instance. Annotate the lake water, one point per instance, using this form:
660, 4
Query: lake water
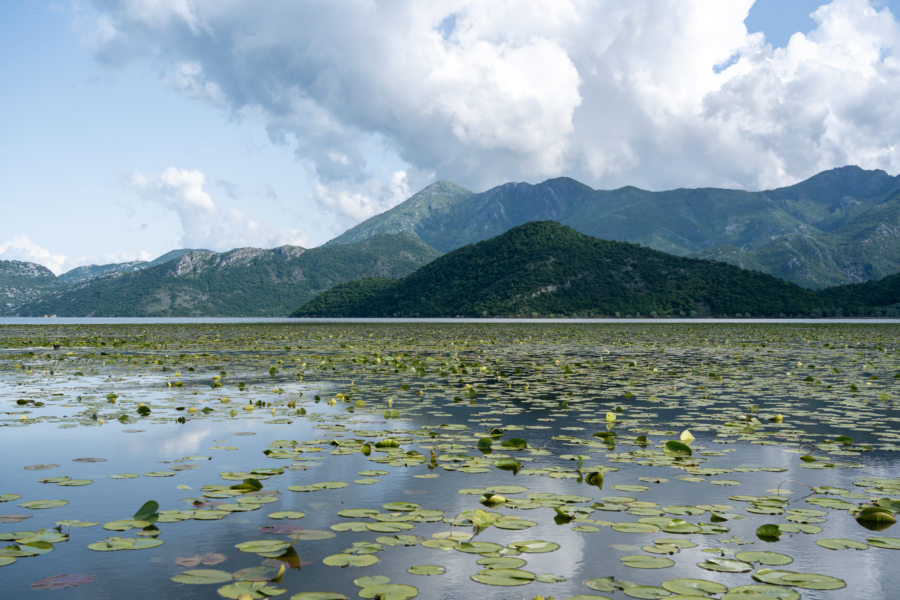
301, 405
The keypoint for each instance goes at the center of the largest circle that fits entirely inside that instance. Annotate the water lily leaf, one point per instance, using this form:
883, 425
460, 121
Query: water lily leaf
646, 592
350, 560
287, 514
318, 596
202, 576
58, 582
389, 591
43, 504
888, 543
607, 584
263, 546
478, 547
644, 561
7, 560
534, 546
502, 562
149, 512
693, 587
841, 544
725, 565
809, 581
676, 448
503, 577
764, 558
426, 570
249, 590
761, 592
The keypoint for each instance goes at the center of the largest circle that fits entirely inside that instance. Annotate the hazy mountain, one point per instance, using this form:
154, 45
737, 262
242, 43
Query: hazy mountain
547, 269
21, 282
839, 226
241, 282
85, 272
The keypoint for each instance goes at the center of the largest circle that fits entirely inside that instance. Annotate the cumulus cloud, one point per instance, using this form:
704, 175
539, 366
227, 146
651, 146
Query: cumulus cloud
657, 93
203, 224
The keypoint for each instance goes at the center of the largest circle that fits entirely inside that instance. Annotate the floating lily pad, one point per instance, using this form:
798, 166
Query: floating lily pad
534, 546
764, 558
249, 590
888, 543
760, 592
841, 544
350, 560
202, 576
427, 570
503, 577
693, 587
725, 565
58, 582
809, 581
644, 561
389, 591
263, 546
43, 504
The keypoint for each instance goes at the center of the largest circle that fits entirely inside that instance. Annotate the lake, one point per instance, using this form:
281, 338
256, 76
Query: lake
322, 460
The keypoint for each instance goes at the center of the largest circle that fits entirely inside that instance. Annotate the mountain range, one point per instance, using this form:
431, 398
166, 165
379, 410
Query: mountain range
839, 227
548, 269
241, 282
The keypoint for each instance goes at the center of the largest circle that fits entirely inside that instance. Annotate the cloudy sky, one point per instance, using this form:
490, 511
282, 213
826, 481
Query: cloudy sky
132, 127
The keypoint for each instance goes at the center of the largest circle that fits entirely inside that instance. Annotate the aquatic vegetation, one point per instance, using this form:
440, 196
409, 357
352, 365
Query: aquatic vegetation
406, 460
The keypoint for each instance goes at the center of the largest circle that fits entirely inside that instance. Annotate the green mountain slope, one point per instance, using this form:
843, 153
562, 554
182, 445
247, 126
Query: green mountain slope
241, 282
816, 233
547, 269
22, 282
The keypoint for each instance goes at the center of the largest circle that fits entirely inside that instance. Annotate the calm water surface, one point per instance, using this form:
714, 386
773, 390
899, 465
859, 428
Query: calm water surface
303, 397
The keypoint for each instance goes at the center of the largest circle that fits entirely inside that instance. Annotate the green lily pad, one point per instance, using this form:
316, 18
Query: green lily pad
504, 577
646, 592
350, 560
841, 544
263, 546
760, 592
253, 590
287, 514
809, 581
693, 587
725, 565
644, 561
202, 576
7, 560
888, 543
478, 547
389, 591
427, 570
764, 558
534, 546
43, 504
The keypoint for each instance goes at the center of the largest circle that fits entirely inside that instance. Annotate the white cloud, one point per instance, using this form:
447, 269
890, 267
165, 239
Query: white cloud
22, 248
203, 224
657, 93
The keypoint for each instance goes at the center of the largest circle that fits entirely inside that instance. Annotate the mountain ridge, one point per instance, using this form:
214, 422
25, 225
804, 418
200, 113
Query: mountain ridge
833, 208
547, 269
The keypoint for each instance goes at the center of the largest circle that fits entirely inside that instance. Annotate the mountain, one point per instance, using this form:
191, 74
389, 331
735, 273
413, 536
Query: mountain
86, 272
840, 226
241, 282
23, 281
548, 269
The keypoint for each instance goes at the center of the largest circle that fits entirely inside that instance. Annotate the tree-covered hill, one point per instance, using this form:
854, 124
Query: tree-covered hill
548, 269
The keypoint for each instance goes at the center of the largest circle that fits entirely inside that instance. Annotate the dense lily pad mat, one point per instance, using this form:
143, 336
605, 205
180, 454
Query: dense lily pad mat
458, 460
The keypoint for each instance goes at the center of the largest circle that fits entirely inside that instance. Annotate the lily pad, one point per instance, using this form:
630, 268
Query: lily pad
644, 561
809, 581
202, 576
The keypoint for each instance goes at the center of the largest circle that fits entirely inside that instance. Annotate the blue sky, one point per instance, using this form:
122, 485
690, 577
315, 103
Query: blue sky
131, 127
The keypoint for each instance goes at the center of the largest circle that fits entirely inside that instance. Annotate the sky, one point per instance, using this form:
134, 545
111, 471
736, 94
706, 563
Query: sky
129, 128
